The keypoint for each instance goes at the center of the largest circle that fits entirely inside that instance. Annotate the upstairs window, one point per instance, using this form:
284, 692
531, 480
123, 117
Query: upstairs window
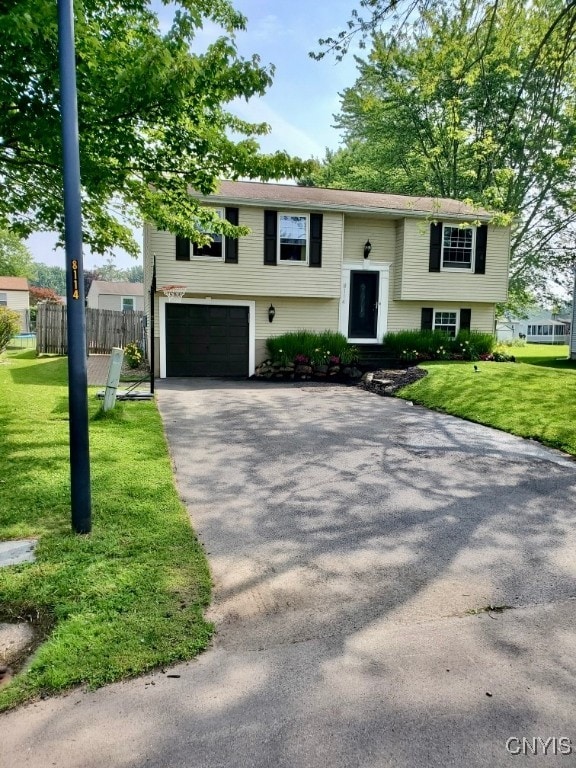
128, 304
457, 247
215, 249
293, 239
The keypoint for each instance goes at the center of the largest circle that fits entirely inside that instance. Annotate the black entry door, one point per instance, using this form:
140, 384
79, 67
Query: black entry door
206, 340
363, 321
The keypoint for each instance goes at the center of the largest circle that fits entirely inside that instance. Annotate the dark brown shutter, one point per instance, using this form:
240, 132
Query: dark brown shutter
426, 319
435, 247
231, 243
481, 241
315, 240
182, 248
465, 318
270, 237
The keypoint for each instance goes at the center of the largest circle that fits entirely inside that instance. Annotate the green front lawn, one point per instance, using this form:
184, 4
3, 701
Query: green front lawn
535, 397
127, 597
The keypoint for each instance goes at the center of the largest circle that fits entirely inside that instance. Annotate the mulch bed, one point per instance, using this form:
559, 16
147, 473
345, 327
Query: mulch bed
387, 382
381, 381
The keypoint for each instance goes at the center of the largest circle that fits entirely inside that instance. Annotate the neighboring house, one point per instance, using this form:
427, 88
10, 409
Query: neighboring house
540, 327
360, 262
122, 297
14, 295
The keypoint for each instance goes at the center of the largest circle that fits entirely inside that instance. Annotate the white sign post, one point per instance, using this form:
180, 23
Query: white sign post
114, 371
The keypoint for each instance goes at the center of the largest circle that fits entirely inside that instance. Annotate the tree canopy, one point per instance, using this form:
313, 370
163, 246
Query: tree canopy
466, 103
15, 258
152, 117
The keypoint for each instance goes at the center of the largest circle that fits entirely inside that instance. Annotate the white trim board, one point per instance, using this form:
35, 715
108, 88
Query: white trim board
162, 301
383, 285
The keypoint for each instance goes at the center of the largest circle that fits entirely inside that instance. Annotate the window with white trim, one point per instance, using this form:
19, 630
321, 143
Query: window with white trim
215, 249
3, 299
446, 321
128, 304
293, 238
457, 247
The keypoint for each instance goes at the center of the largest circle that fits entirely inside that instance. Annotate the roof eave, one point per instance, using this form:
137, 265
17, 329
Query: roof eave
314, 206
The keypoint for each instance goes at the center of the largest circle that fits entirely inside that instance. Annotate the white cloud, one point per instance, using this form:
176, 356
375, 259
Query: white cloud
283, 135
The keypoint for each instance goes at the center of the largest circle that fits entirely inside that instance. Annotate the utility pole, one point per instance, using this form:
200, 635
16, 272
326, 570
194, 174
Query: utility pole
75, 311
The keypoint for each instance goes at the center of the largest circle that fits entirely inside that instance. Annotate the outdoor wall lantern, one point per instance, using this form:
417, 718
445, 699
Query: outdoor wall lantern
271, 313
367, 249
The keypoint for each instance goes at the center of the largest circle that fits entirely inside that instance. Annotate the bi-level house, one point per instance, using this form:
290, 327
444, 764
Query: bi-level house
362, 263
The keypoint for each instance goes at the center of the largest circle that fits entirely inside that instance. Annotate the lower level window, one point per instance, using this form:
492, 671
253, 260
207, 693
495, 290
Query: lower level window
445, 321
127, 304
3, 299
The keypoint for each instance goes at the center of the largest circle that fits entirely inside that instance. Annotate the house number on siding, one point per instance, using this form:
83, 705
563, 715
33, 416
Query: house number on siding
75, 292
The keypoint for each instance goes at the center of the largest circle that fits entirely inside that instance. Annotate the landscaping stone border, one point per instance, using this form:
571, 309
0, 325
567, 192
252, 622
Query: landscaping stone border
381, 381
387, 382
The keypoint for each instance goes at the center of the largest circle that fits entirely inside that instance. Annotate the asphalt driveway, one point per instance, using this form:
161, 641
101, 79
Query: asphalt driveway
393, 587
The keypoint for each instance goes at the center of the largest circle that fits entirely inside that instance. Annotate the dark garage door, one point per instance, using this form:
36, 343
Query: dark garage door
206, 340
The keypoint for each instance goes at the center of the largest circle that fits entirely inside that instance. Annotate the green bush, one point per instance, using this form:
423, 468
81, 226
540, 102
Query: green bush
318, 347
9, 326
410, 345
133, 355
438, 345
481, 343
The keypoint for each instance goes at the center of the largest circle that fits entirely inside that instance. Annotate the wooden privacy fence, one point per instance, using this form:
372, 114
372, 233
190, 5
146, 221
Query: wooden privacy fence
105, 329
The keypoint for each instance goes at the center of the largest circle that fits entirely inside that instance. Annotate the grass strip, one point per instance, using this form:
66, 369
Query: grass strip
129, 596
534, 399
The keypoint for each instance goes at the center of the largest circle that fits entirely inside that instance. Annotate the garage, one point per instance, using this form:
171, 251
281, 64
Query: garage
207, 340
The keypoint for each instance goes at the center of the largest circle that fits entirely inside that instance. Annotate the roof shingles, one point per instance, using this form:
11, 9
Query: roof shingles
258, 193
13, 284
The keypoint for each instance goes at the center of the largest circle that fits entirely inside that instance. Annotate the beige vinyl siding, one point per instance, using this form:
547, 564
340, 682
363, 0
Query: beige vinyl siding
250, 277
407, 315
380, 232
110, 302
292, 314
17, 300
396, 278
414, 281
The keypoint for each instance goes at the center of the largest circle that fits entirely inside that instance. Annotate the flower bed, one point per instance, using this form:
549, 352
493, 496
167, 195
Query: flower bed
303, 355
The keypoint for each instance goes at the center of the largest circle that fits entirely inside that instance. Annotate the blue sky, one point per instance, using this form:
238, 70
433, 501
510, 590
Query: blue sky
299, 106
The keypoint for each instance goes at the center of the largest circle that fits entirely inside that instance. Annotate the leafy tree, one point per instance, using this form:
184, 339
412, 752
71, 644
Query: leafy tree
43, 294
109, 271
134, 274
372, 16
50, 277
89, 276
152, 117
466, 104
15, 258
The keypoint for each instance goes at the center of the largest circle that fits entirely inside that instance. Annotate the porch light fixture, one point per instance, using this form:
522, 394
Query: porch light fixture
367, 249
271, 313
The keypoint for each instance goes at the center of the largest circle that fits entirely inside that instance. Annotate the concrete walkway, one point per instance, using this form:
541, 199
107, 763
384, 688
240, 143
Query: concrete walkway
356, 544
